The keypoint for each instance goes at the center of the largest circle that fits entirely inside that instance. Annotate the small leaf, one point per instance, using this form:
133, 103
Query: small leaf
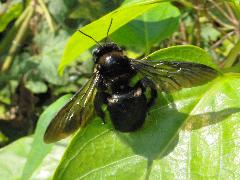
209, 33
36, 86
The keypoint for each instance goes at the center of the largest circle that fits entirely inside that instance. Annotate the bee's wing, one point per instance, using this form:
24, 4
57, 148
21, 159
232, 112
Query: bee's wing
74, 114
171, 76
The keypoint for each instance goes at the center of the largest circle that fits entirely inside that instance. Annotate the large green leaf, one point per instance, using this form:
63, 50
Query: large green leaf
150, 28
25, 158
39, 149
193, 133
78, 43
13, 158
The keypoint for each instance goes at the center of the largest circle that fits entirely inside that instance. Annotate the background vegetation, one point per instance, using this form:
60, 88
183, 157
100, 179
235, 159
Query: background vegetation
198, 139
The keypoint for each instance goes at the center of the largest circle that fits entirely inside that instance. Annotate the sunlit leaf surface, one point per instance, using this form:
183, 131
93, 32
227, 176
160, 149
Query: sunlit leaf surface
148, 29
14, 158
193, 133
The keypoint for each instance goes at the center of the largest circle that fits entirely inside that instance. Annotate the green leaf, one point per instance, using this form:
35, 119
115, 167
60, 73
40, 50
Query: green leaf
39, 149
12, 12
183, 53
3, 138
152, 27
51, 48
58, 9
236, 7
50, 162
13, 158
234, 1
193, 133
91, 10
209, 33
160, 148
22, 159
36, 86
78, 43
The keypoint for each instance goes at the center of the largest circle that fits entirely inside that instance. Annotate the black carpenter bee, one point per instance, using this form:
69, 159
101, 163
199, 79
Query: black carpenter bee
113, 84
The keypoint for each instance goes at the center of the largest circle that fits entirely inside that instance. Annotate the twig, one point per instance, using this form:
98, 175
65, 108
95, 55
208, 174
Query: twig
233, 17
221, 10
183, 33
222, 39
220, 22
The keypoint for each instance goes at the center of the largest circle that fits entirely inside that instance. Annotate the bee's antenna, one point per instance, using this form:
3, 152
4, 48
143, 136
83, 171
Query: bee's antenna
90, 37
109, 29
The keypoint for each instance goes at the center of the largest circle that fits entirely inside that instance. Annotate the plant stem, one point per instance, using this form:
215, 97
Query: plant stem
185, 3
223, 11
197, 23
216, 44
183, 33
49, 19
232, 56
6, 42
18, 39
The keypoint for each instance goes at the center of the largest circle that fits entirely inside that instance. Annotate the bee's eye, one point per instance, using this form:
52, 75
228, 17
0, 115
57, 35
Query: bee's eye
95, 52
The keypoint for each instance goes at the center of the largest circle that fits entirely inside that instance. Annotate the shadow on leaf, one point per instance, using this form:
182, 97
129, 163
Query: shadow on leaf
202, 120
160, 133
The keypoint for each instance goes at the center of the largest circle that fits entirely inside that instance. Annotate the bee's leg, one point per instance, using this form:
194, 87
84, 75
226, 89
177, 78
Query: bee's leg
100, 99
147, 83
153, 88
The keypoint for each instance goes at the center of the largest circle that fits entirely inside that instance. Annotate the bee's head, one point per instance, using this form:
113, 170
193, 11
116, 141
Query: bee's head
108, 48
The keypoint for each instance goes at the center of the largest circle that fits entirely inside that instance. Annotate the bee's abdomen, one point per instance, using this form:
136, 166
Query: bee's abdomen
128, 111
